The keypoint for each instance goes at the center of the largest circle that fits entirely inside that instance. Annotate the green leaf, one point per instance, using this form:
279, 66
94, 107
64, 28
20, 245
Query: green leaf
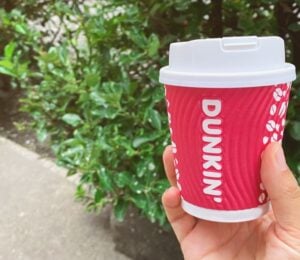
105, 179
153, 45
136, 186
122, 179
100, 101
73, 151
120, 209
62, 54
20, 28
109, 112
142, 168
138, 37
49, 57
42, 134
98, 196
9, 50
6, 64
72, 119
80, 192
131, 87
138, 141
161, 186
22, 70
71, 172
92, 79
5, 71
154, 118
294, 27
295, 130
139, 200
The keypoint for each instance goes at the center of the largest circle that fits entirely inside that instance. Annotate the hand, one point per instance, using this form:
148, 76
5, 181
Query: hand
275, 236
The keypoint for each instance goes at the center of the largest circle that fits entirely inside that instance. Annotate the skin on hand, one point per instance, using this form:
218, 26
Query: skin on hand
274, 236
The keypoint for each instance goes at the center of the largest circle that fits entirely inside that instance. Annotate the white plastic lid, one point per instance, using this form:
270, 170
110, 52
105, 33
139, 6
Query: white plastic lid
246, 61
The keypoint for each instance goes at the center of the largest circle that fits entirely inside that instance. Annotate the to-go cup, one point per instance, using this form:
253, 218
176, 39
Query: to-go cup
226, 100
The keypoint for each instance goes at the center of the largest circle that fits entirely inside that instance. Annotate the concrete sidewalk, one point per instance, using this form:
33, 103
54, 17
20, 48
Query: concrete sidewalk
39, 218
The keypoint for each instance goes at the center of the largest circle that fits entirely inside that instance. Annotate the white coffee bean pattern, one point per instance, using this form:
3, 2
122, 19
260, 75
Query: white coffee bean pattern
276, 121
174, 148
273, 110
277, 94
282, 109
275, 124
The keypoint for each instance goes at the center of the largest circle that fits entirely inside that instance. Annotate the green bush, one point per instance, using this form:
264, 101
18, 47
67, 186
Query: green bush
92, 84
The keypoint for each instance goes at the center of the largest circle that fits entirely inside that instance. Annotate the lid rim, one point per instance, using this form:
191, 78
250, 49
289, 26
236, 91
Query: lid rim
216, 80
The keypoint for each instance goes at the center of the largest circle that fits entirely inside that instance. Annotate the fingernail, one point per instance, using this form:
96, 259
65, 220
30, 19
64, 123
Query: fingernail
280, 158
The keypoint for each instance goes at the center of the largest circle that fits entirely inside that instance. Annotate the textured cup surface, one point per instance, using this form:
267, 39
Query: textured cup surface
218, 135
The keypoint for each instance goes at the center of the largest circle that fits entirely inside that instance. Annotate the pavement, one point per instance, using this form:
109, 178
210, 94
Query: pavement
39, 218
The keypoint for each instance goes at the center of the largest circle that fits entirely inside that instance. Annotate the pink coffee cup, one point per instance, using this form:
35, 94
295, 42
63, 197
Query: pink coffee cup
226, 99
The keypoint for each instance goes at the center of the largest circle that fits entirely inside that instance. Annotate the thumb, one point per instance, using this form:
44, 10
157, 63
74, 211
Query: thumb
281, 186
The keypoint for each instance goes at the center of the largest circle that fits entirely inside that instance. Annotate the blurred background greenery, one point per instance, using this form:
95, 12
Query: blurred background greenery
89, 74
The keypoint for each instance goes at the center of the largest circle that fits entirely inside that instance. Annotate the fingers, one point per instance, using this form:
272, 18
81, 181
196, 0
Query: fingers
169, 165
281, 186
181, 222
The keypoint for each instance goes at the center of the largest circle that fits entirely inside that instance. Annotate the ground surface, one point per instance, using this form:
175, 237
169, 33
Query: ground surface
39, 218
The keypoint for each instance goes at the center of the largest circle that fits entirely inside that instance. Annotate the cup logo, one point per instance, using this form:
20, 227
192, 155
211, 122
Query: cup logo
212, 151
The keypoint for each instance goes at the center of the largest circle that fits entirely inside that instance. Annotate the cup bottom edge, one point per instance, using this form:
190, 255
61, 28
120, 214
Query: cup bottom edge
227, 216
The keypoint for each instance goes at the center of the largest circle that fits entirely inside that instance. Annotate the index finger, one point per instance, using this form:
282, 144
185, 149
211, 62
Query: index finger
168, 160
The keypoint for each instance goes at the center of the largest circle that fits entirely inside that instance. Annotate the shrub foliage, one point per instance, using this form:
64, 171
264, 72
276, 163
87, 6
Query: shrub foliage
90, 73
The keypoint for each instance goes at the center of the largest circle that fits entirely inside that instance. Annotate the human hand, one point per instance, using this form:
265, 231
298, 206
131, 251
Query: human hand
275, 236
